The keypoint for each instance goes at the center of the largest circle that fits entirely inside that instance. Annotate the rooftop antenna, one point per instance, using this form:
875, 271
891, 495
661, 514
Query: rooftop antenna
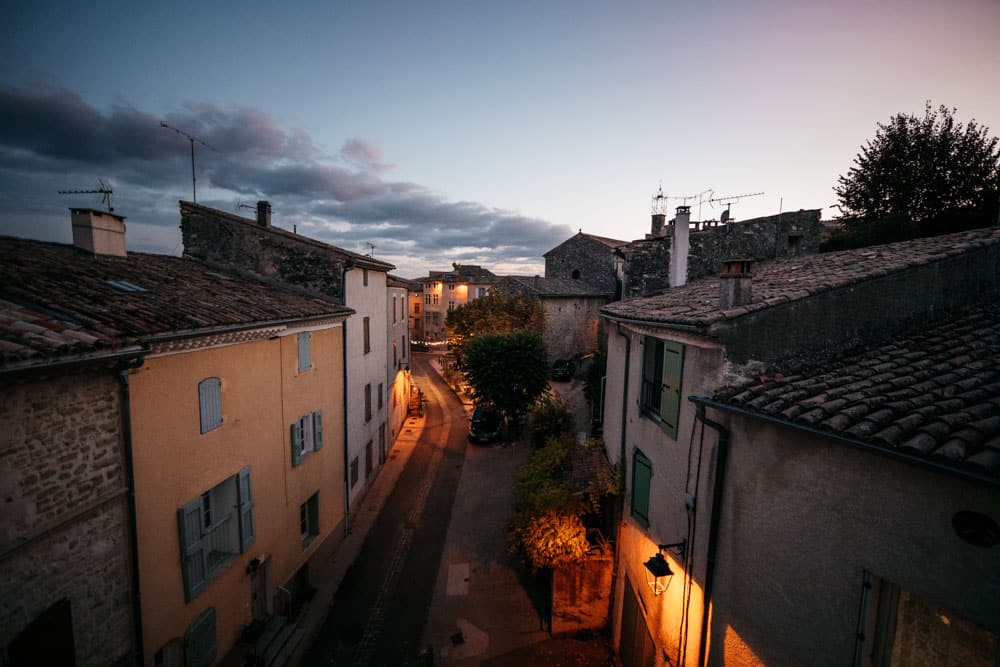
241, 205
194, 194
105, 190
371, 245
700, 198
729, 201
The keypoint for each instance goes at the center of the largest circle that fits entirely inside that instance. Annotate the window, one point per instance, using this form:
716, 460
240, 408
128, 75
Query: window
642, 472
451, 287
402, 346
354, 471
368, 402
395, 353
482, 291
213, 528
451, 305
427, 301
380, 389
367, 335
402, 307
576, 274
662, 367
416, 307
210, 404
199, 640
305, 351
307, 436
364, 277
393, 308
435, 299
368, 460
309, 519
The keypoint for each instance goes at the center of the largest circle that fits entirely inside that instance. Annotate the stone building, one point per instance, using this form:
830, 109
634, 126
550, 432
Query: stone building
256, 247
587, 258
444, 291
811, 459
572, 312
173, 445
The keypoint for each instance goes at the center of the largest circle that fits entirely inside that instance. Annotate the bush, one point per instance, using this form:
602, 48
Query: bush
549, 419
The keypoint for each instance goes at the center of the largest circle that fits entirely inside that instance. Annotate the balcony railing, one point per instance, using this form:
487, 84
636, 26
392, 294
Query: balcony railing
649, 400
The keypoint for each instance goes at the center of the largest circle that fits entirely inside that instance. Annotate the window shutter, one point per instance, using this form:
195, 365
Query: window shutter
305, 351
246, 509
199, 640
642, 472
670, 393
297, 442
193, 565
317, 418
307, 434
210, 403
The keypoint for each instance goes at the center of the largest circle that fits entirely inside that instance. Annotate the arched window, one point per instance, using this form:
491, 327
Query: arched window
576, 274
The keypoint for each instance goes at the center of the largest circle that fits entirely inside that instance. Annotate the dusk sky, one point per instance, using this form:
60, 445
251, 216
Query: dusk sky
472, 132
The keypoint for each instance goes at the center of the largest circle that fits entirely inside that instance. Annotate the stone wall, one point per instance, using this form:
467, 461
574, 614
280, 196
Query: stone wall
581, 594
65, 527
594, 261
224, 240
647, 262
571, 325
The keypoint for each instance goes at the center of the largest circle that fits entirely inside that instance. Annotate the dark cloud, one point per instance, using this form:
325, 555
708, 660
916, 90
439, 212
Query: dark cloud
52, 139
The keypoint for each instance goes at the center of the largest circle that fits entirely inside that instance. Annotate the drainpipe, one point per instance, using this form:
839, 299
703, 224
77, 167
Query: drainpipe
123, 370
347, 463
713, 529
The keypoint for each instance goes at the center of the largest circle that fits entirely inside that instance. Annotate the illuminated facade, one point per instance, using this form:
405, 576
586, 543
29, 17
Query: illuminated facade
444, 291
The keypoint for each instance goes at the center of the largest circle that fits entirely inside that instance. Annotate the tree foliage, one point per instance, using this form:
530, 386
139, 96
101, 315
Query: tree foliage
494, 313
549, 419
924, 175
508, 370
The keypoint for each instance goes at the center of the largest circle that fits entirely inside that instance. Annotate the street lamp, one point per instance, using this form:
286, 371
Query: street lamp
658, 571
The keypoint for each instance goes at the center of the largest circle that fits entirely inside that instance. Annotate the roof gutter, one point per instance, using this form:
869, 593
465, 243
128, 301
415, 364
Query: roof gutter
95, 358
228, 328
851, 442
698, 328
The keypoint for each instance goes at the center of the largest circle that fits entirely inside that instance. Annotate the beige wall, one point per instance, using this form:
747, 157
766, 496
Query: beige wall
262, 395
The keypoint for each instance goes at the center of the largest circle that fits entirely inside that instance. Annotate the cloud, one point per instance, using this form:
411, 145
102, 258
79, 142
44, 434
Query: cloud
52, 139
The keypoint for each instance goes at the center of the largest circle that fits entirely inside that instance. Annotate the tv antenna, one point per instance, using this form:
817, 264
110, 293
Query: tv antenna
729, 201
105, 190
240, 205
371, 253
700, 198
191, 139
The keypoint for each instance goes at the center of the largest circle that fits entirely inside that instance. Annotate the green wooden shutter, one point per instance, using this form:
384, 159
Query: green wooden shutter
246, 509
298, 439
193, 563
642, 473
199, 640
317, 418
670, 393
210, 403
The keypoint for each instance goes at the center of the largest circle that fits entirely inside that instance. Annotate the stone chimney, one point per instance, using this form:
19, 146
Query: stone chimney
679, 248
735, 283
98, 232
264, 214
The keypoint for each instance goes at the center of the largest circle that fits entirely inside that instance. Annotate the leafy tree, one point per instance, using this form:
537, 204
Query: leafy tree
508, 370
923, 176
494, 313
549, 419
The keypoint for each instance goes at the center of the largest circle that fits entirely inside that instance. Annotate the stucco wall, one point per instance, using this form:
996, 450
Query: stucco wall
262, 395
64, 517
397, 377
804, 517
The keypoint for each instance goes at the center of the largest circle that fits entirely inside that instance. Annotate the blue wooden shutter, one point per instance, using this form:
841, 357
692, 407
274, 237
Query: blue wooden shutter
305, 351
193, 565
199, 640
317, 418
210, 403
642, 473
298, 439
670, 396
246, 509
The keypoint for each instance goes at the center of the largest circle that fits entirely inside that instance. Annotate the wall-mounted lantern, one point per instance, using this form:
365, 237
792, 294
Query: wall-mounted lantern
658, 571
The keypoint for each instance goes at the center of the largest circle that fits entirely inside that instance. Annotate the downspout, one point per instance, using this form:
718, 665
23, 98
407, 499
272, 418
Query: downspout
713, 528
347, 471
130, 499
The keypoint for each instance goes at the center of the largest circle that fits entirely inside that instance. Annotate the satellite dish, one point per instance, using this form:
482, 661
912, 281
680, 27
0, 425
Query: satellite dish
724, 218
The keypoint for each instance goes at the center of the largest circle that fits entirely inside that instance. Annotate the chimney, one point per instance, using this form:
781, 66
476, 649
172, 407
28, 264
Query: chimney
679, 248
735, 283
98, 232
264, 213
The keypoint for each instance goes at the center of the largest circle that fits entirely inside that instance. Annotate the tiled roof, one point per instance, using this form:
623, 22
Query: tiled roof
469, 273
361, 260
553, 287
56, 300
933, 394
604, 240
781, 281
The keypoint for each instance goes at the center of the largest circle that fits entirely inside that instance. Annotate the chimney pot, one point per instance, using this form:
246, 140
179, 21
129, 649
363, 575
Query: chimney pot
680, 246
99, 232
735, 284
264, 213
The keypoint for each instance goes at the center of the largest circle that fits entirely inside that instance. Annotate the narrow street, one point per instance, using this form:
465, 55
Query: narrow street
380, 609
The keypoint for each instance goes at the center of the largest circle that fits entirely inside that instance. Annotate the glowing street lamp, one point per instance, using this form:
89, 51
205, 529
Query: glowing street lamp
658, 571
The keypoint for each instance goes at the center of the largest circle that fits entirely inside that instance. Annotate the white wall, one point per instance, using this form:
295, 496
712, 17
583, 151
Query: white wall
397, 375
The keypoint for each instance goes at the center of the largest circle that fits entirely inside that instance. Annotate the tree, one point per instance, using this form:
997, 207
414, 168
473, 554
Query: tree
508, 370
494, 313
924, 175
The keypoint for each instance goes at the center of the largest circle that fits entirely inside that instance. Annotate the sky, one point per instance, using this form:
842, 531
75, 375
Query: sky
471, 132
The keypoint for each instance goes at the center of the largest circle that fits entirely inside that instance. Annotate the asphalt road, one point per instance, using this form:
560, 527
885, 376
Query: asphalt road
379, 611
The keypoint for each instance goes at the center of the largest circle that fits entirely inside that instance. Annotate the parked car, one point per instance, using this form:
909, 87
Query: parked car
485, 424
563, 370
